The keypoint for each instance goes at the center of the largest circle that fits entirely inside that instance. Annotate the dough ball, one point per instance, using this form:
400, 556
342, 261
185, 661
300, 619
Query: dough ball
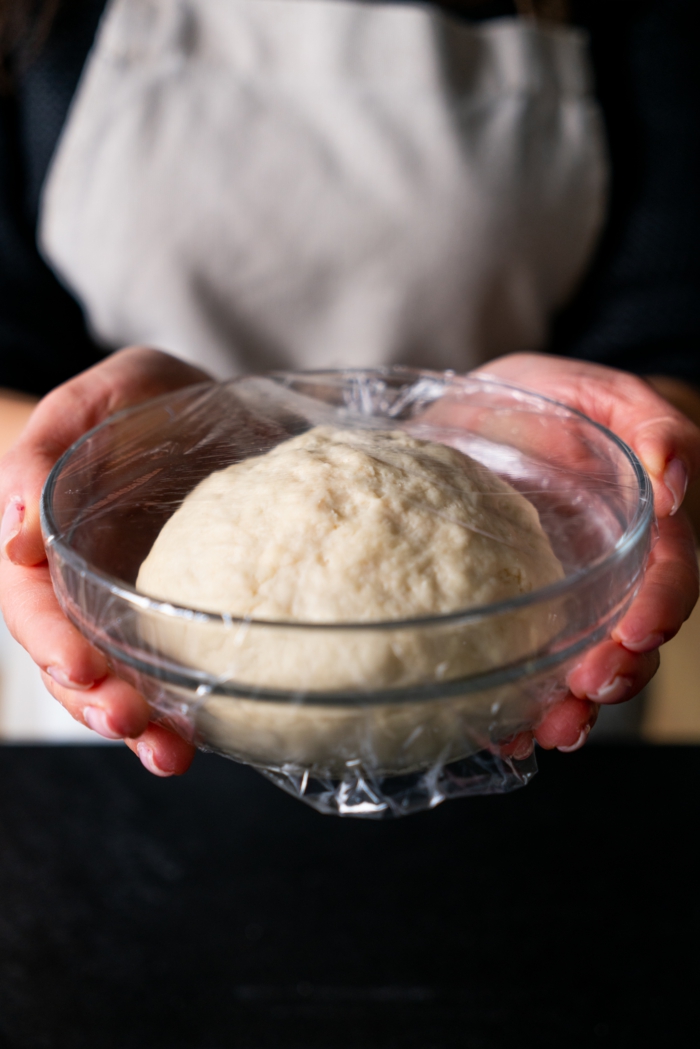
349, 526
358, 527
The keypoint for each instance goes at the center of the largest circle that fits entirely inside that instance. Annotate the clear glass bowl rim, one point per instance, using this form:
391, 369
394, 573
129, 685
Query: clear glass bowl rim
641, 520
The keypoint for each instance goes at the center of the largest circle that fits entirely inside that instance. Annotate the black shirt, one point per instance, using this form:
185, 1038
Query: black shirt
638, 306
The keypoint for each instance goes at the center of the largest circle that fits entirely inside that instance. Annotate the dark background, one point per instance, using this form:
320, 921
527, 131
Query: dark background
214, 911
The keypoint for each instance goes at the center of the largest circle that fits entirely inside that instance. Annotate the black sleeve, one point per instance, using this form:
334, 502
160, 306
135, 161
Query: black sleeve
639, 306
43, 338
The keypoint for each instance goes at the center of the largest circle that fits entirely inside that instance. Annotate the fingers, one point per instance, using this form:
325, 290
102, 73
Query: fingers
567, 725
668, 593
115, 710
35, 619
128, 377
609, 673
619, 668
74, 672
519, 747
162, 752
666, 441
612, 672
112, 708
77, 675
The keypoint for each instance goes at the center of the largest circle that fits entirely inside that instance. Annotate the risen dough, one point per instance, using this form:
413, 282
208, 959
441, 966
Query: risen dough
346, 526
350, 526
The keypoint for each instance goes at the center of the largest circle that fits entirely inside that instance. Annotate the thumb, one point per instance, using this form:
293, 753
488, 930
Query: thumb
23, 477
664, 438
125, 378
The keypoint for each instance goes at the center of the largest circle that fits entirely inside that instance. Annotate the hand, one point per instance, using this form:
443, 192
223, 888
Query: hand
73, 671
668, 444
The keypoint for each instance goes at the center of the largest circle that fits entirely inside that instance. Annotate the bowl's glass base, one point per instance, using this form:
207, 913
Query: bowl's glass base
368, 795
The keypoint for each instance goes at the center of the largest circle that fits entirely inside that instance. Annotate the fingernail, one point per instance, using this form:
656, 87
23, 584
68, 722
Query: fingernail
11, 525
614, 689
579, 742
148, 761
524, 748
61, 678
97, 720
676, 480
647, 644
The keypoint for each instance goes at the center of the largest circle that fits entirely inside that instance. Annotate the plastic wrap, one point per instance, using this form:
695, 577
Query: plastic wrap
312, 704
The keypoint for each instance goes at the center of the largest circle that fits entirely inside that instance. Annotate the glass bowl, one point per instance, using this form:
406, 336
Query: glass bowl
324, 724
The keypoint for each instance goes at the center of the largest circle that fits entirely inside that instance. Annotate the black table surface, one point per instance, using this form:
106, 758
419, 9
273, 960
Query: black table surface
215, 912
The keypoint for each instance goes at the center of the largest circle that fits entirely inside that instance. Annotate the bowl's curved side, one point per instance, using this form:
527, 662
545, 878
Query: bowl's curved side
325, 725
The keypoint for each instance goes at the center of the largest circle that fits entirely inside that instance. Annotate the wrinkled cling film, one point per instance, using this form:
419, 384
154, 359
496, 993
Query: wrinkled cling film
363, 718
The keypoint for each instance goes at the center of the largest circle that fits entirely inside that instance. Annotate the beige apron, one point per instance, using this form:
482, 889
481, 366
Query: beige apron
312, 183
